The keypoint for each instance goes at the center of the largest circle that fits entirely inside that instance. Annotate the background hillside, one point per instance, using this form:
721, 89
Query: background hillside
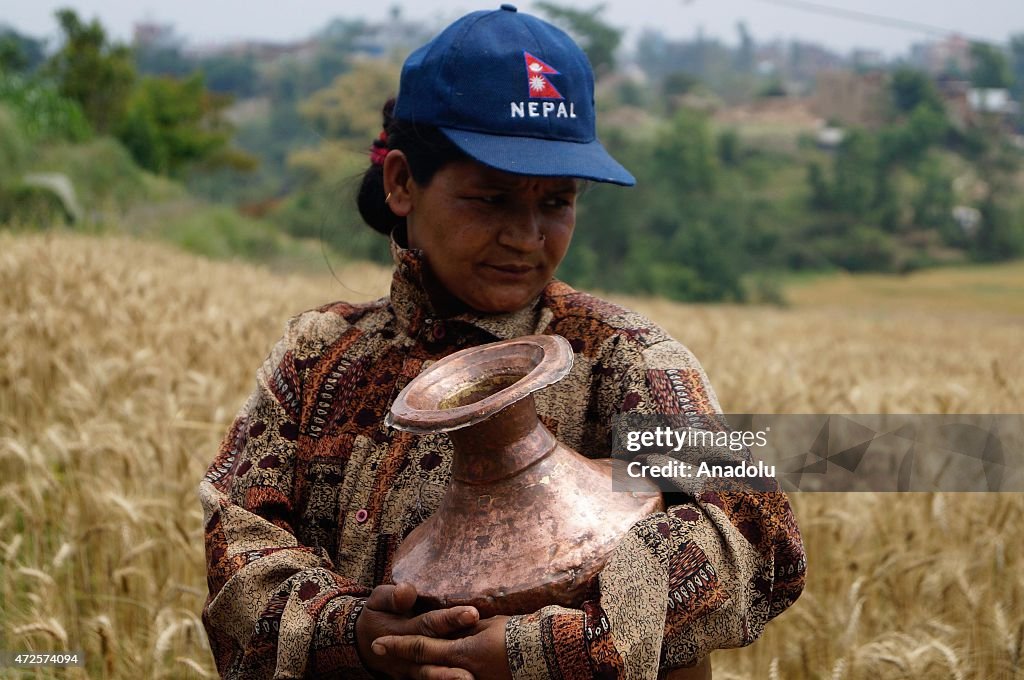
755, 160
125, 360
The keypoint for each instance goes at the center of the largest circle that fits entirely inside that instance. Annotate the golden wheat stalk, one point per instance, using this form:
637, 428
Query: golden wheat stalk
118, 374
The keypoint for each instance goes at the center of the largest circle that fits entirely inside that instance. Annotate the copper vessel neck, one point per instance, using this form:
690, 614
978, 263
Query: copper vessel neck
483, 398
501, 446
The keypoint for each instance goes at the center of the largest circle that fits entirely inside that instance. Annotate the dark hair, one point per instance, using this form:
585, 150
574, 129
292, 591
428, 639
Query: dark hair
427, 150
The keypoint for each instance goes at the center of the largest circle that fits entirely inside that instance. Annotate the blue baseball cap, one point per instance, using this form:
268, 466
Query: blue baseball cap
512, 92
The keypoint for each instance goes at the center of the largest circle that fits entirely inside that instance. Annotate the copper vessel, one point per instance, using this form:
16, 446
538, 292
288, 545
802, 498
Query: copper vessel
525, 521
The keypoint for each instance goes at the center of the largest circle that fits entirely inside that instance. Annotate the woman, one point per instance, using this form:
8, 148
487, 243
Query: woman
475, 179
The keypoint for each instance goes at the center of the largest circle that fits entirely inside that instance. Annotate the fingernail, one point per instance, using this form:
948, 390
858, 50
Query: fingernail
378, 648
466, 618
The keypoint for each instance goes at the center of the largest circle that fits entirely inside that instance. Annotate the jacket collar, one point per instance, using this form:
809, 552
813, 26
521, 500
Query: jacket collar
413, 307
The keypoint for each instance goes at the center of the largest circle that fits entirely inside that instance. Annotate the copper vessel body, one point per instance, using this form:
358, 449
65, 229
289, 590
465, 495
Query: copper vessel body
525, 521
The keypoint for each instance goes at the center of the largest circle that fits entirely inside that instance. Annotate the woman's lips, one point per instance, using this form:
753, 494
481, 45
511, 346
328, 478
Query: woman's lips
512, 268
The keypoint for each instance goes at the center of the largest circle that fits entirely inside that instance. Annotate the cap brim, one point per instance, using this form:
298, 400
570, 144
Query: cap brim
541, 157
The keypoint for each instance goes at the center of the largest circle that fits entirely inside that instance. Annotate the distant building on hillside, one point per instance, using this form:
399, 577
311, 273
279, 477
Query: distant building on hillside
969, 106
858, 99
771, 123
992, 106
951, 55
154, 35
796, 61
992, 101
867, 60
954, 96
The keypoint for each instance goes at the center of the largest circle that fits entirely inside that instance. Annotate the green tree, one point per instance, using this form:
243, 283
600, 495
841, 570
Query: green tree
633, 93
231, 73
673, 234
679, 83
19, 53
906, 143
346, 116
773, 88
933, 206
1017, 65
44, 115
349, 108
597, 38
989, 66
1000, 234
910, 88
864, 185
729, 152
687, 158
172, 123
821, 190
13, 149
856, 167
998, 165
92, 71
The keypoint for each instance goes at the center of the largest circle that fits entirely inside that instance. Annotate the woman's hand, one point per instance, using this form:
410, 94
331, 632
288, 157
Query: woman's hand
481, 652
387, 615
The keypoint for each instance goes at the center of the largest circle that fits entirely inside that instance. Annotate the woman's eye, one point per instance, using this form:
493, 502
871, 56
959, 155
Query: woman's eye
489, 200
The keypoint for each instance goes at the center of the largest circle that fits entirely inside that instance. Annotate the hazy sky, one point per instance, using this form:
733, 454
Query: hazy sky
204, 21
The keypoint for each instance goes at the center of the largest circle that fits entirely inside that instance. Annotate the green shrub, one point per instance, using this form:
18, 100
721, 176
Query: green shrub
44, 115
220, 232
171, 123
325, 209
14, 148
102, 172
863, 249
33, 205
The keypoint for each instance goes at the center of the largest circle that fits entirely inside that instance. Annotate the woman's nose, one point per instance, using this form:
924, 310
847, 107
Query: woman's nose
522, 231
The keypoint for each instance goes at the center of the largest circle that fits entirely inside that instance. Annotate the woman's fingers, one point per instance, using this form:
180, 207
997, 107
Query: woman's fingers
445, 622
420, 650
396, 599
393, 642
400, 598
428, 672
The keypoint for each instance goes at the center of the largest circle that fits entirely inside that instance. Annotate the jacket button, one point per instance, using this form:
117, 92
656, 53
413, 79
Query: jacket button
362, 515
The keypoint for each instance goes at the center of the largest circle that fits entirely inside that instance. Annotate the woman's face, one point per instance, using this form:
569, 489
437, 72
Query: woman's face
492, 239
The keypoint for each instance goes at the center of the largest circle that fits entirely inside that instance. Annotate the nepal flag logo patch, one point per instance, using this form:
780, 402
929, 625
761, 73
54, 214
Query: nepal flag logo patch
536, 73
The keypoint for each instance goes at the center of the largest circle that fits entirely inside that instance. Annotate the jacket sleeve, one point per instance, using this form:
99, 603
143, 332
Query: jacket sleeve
706, 574
276, 608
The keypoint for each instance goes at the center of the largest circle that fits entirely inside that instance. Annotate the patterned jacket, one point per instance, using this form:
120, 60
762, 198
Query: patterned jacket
310, 495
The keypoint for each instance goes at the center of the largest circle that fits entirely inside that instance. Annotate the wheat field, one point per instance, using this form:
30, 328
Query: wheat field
122, 362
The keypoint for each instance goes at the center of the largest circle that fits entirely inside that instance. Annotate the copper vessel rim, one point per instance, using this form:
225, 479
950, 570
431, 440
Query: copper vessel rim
555, 362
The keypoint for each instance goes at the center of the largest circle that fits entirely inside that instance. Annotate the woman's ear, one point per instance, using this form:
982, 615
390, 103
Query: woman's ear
398, 183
